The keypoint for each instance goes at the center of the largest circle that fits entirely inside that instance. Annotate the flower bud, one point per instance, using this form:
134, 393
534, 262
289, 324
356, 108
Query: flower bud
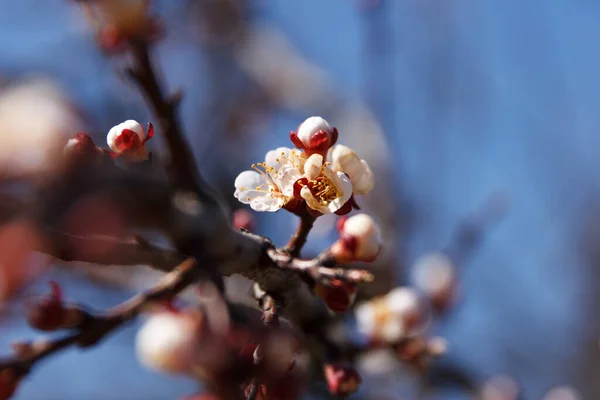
242, 219
360, 239
314, 135
342, 380
562, 393
435, 275
50, 313
81, 149
128, 140
345, 160
392, 317
169, 341
338, 297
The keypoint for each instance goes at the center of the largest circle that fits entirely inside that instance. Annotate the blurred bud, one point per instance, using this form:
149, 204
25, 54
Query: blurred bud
279, 352
242, 219
170, 341
345, 160
418, 351
9, 382
35, 120
392, 317
435, 275
342, 380
314, 135
50, 313
80, 149
128, 139
338, 297
360, 239
501, 387
562, 393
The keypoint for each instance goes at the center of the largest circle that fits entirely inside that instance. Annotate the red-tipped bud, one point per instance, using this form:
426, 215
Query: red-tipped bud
50, 313
314, 135
338, 297
360, 240
128, 139
342, 380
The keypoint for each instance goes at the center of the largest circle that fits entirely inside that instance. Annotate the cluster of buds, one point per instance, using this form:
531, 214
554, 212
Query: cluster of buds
126, 140
118, 22
51, 313
388, 319
316, 177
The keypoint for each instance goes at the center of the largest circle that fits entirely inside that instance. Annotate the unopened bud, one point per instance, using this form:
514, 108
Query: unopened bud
338, 297
435, 275
80, 148
50, 313
128, 140
169, 341
314, 135
360, 239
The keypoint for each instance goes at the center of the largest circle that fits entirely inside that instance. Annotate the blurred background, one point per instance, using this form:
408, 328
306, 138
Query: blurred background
452, 102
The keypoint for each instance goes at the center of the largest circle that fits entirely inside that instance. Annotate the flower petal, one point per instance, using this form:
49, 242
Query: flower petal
312, 167
286, 178
277, 158
365, 183
344, 186
246, 185
267, 203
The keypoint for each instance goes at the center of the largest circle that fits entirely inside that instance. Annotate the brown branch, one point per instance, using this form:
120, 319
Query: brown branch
182, 165
298, 240
96, 327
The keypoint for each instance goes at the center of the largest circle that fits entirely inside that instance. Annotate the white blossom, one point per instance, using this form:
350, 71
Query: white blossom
270, 185
345, 160
325, 190
168, 342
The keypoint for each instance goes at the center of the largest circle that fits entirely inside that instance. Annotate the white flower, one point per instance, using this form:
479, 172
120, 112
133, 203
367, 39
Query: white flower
435, 275
169, 342
128, 139
344, 159
314, 136
360, 239
270, 185
391, 317
324, 190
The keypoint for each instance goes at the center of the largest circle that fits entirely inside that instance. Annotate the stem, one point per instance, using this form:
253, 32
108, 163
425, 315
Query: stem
298, 240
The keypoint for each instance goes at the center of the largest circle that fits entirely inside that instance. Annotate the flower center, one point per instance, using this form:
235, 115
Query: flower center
323, 190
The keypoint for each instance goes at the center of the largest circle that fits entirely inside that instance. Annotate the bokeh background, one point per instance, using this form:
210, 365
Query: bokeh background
453, 102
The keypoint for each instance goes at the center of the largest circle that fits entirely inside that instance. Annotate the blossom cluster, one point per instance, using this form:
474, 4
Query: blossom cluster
317, 176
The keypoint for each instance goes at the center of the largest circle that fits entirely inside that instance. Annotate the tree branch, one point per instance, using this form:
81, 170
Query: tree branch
298, 240
96, 327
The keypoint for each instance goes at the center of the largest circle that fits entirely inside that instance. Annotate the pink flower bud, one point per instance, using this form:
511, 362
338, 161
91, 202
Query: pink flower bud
342, 380
360, 240
314, 135
128, 139
170, 341
338, 297
242, 219
49, 313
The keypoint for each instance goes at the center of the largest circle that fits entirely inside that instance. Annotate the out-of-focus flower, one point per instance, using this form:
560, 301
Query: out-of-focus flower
435, 275
270, 186
345, 160
119, 21
342, 380
128, 139
170, 341
338, 297
562, 393
242, 219
500, 387
35, 122
314, 135
324, 190
392, 317
360, 239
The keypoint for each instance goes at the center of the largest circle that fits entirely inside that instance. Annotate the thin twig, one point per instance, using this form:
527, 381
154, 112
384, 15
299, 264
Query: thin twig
98, 326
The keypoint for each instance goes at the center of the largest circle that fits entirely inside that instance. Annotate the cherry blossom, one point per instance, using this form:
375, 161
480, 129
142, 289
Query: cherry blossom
345, 160
314, 135
269, 186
